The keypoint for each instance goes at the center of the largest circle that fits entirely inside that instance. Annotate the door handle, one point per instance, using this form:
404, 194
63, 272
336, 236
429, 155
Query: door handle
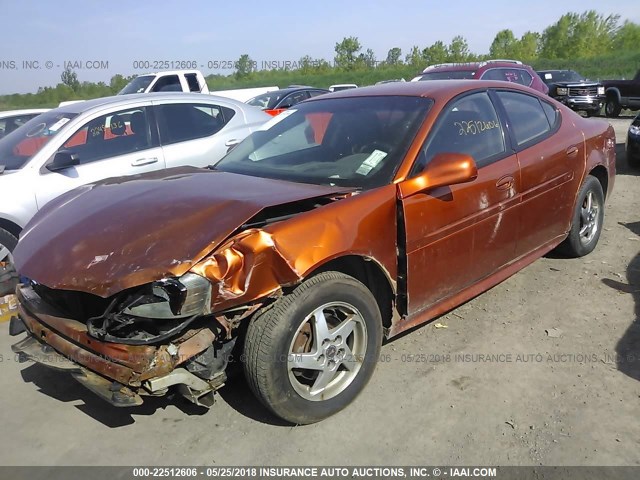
572, 151
505, 183
143, 161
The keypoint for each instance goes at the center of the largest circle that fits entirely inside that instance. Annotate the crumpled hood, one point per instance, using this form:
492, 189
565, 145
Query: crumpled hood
122, 232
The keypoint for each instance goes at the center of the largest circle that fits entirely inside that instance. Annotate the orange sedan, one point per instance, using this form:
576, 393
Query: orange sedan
344, 220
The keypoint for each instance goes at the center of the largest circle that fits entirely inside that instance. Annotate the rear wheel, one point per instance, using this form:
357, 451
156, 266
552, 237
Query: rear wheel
587, 220
310, 354
612, 108
8, 274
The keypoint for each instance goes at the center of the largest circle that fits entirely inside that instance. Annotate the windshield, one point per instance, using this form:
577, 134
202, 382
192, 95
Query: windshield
561, 76
137, 85
354, 142
266, 101
448, 75
17, 148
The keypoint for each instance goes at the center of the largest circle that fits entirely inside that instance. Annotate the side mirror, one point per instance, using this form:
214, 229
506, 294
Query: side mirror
444, 169
63, 159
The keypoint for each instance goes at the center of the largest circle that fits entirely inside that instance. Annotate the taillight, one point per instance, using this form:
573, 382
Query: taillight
275, 111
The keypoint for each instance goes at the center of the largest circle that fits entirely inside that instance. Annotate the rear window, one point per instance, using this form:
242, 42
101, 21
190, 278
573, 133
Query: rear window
529, 120
448, 75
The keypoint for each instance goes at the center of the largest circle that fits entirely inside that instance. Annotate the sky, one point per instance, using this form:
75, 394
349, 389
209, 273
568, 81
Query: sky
101, 38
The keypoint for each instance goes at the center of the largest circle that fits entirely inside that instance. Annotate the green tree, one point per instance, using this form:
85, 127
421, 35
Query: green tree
528, 46
459, 50
394, 56
347, 53
436, 53
118, 82
367, 59
70, 79
414, 58
627, 37
244, 66
504, 45
579, 36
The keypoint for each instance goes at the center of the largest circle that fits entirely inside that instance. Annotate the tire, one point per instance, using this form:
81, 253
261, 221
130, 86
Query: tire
586, 224
8, 275
290, 334
612, 108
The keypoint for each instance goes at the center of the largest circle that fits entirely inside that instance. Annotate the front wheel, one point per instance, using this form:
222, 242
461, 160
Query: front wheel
310, 354
612, 108
587, 220
8, 275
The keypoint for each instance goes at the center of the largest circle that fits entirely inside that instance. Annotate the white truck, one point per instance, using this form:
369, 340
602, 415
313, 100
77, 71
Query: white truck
186, 81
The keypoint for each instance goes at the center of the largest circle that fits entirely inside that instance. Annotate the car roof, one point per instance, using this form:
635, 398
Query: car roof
24, 111
295, 89
83, 106
455, 67
431, 89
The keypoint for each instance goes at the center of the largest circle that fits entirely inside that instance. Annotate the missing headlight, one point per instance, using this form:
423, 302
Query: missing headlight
153, 312
173, 298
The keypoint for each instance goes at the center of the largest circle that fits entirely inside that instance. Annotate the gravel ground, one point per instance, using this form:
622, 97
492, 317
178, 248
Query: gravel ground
542, 369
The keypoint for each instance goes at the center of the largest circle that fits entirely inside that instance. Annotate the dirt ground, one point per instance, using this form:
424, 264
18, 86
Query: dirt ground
542, 369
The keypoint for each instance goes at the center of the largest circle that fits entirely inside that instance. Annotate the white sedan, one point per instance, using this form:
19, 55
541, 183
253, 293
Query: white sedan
84, 142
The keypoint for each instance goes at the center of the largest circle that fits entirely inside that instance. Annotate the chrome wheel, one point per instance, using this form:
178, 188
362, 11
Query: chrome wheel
327, 351
589, 218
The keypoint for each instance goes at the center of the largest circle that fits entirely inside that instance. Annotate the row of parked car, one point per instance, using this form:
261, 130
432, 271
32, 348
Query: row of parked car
130, 134
309, 237
566, 86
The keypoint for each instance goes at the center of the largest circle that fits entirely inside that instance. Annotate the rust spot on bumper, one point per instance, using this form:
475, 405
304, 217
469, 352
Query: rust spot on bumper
126, 364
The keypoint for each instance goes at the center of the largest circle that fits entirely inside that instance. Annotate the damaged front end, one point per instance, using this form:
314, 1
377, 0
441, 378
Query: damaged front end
120, 355
177, 331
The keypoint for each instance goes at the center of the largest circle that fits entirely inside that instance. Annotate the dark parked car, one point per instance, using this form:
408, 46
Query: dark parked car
506, 70
622, 94
633, 143
575, 91
353, 218
278, 101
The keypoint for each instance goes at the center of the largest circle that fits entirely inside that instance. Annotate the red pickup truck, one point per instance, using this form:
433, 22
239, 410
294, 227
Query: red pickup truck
622, 94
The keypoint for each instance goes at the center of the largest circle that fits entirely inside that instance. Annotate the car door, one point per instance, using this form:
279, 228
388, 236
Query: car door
113, 144
197, 133
459, 234
548, 154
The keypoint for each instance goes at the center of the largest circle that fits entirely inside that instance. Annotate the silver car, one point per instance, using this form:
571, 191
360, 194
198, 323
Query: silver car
88, 141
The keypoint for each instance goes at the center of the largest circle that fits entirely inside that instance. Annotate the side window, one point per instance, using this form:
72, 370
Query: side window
528, 118
168, 83
192, 81
315, 93
111, 135
180, 122
469, 125
293, 99
514, 75
552, 114
8, 125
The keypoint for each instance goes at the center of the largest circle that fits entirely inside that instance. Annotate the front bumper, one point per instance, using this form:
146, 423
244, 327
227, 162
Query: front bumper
588, 103
120, 374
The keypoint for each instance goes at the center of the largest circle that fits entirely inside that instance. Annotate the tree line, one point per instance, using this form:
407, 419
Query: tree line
599, 46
